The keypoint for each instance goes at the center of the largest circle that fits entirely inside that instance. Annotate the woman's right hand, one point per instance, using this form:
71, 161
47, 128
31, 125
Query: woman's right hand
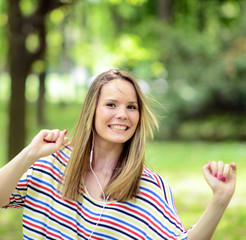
43, 144
47, 142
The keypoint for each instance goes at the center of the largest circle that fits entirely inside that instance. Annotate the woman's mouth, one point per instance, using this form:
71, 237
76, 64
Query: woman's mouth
118, 127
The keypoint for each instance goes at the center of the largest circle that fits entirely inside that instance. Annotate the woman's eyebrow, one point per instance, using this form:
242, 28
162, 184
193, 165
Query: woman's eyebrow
133, 102
115, 100
111, 99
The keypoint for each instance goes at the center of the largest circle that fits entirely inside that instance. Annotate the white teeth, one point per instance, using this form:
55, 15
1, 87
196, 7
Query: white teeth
116, 127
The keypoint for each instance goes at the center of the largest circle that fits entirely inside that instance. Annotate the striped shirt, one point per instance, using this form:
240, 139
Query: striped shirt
46, 215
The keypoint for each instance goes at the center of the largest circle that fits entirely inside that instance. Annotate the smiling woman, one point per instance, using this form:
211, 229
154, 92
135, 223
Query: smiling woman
114, 99
97, 186
117, 113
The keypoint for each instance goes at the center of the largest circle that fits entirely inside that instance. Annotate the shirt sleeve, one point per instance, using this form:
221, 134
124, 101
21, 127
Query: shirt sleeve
168, 200
165, 222
17, 198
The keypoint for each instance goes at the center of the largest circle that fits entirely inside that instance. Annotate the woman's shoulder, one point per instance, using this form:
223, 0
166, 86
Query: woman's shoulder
155, 185
64, 153
61, 157
153, 178
51, 167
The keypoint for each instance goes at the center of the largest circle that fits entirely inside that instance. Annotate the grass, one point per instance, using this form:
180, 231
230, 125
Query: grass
179, 163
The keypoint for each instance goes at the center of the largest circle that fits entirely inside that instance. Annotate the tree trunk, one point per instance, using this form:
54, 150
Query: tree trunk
164, 9
201, 16
20, 62
18, 68
17, 110
41, 99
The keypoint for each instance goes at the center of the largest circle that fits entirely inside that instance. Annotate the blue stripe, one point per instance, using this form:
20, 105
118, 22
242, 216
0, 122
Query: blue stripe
160, 211
108, 237
149, 175
173, 202
23, 180
163, 187
46, 214
64, 154
158, 197
38, 190
51, 208
50, 164
153, 217
114, 218
46, 226
127, 224
45, 183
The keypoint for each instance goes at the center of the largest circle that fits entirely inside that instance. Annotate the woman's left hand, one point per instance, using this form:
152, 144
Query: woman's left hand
221, 178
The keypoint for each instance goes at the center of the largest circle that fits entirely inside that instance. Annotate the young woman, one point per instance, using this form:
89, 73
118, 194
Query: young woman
98, 186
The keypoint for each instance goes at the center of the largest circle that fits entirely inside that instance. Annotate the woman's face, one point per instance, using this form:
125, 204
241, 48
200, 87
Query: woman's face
117, 113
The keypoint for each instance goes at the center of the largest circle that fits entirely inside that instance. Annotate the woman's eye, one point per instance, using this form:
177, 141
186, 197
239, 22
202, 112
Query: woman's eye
132, 107
111, 105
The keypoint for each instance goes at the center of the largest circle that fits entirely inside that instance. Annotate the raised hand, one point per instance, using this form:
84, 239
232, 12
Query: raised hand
47, 142
221, 178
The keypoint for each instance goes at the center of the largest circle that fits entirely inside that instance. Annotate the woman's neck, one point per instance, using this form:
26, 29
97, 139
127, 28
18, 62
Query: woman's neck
105, 158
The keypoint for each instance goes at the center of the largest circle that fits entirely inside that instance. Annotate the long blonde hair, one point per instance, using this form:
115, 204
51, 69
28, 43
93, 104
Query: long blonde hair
124, 182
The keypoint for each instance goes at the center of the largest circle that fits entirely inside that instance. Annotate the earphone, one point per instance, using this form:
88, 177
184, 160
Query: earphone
91, 159
104, 197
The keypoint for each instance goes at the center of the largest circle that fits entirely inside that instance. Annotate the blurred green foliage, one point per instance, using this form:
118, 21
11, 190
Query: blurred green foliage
189, 54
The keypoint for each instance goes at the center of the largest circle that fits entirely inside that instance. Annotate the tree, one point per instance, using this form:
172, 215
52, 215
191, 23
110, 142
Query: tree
20, 60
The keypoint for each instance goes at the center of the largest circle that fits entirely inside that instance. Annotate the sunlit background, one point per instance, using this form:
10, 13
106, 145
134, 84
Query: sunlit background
189, 55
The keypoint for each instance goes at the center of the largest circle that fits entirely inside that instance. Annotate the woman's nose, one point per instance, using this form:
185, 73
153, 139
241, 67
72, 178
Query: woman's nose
121, 113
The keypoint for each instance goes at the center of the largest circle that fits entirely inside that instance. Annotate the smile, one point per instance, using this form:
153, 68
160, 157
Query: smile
118, 127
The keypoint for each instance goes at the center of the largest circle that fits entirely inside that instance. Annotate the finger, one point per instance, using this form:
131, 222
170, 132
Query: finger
207, 167
207, 171
51, 136
61, 138
65, 141
220, 166
48, 136
233, 167
233, 170
214, 168
226, 172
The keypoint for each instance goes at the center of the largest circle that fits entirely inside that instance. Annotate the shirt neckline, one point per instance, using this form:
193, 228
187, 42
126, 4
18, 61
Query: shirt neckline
97, 201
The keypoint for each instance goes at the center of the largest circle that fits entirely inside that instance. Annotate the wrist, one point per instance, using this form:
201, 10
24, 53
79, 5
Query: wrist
30, 154
221, 199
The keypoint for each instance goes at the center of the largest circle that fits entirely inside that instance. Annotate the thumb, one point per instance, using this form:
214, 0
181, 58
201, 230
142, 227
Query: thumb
61, 139
207, 169
207, 172
65, 141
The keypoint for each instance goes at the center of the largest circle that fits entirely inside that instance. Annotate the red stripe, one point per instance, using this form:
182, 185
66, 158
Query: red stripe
60, 156
44, 230
155, 176
22, 185
122, 227
53, 193
112, 223
50, 212
48, 168
145, 217
161, 206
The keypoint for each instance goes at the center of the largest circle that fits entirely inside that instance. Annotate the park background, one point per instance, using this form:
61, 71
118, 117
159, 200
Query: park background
190, 55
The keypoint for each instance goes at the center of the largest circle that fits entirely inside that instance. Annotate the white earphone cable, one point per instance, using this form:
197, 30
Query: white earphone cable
104, 197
